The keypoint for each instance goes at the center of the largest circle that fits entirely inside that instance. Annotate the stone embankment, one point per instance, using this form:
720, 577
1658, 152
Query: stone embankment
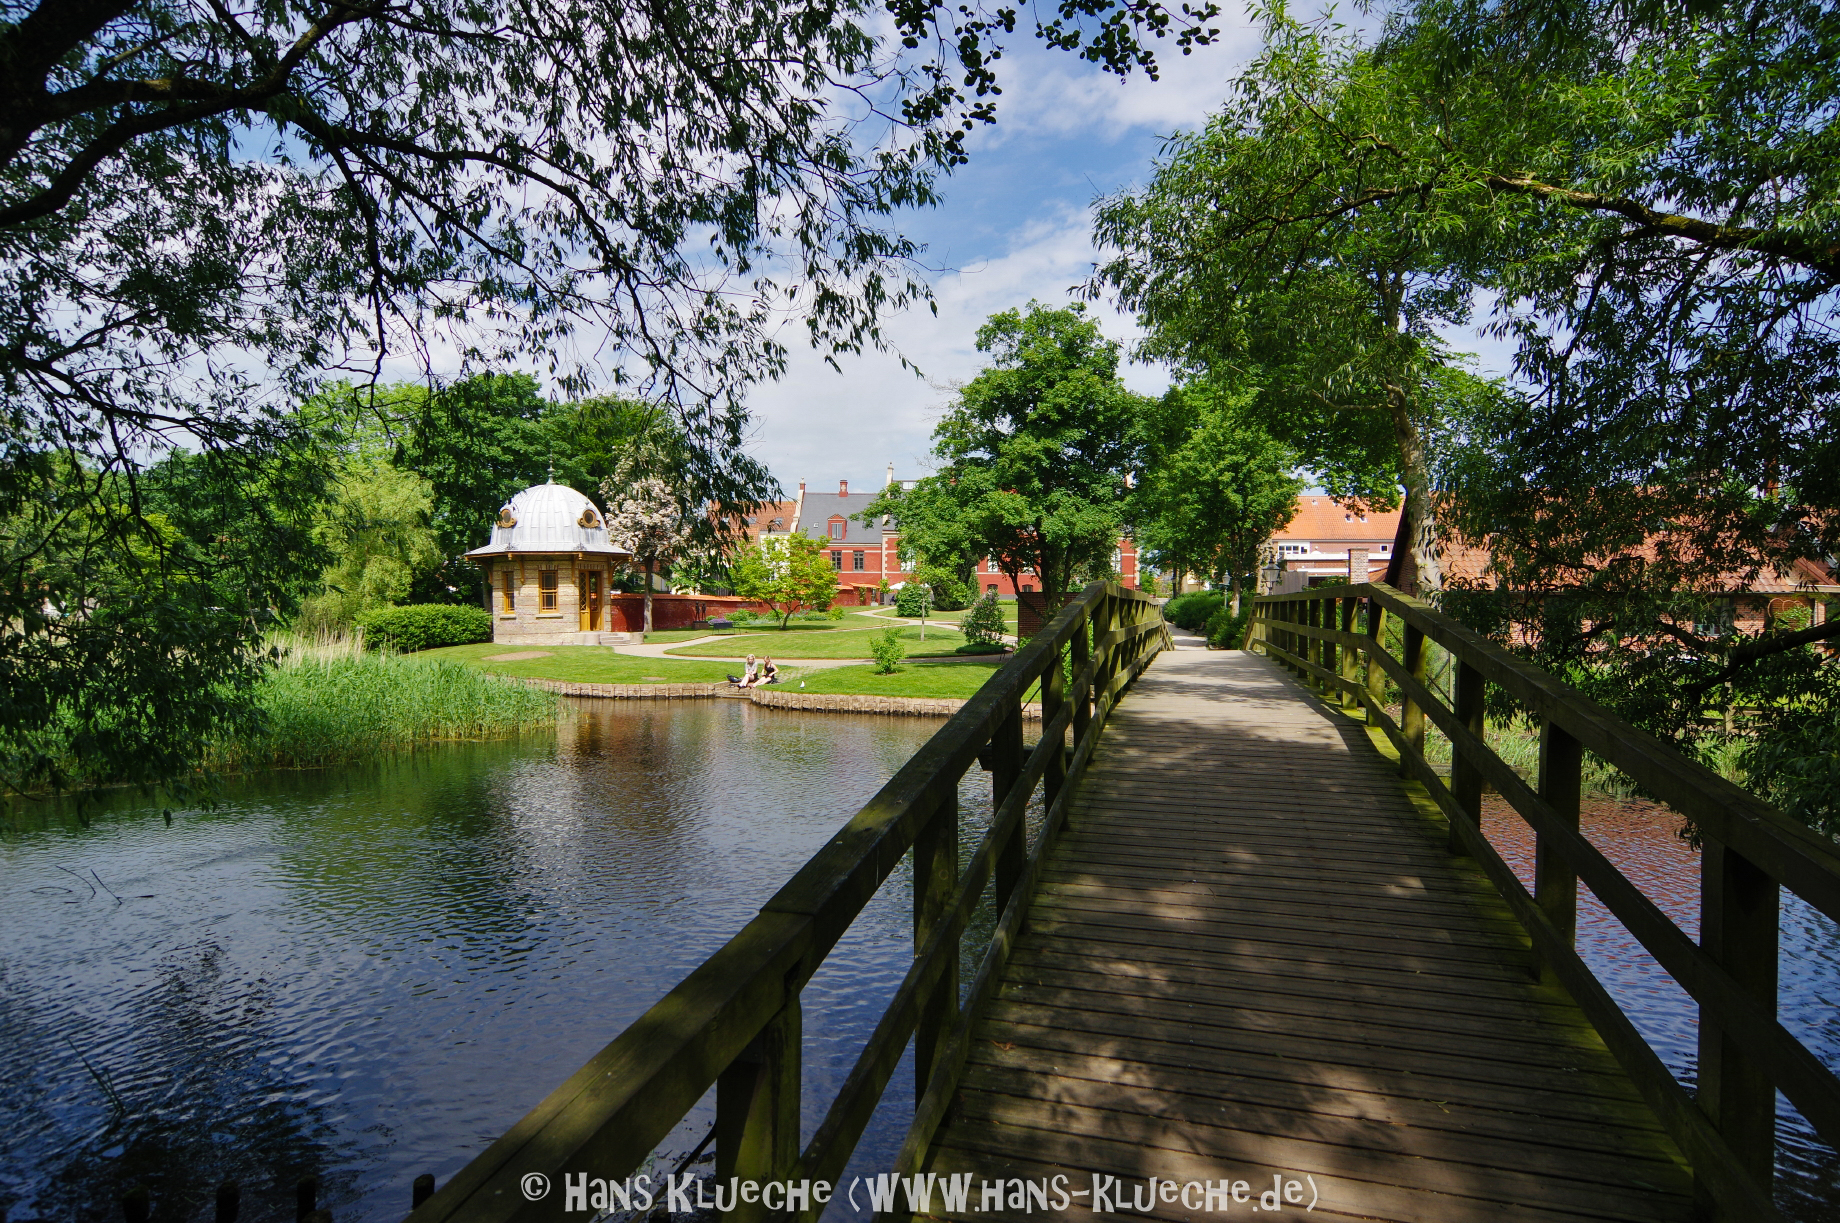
772, 698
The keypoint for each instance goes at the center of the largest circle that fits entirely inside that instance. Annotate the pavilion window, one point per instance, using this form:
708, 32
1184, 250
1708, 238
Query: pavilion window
837, 561
509, 591
856, 561
547, 588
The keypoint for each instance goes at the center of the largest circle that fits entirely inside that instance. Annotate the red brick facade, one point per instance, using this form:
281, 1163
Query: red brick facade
867, 554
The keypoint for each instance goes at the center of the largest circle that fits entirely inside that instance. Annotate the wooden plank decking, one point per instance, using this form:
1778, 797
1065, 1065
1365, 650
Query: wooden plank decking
1251, 956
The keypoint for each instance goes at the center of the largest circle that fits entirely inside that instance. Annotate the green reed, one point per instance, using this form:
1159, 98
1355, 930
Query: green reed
328, 702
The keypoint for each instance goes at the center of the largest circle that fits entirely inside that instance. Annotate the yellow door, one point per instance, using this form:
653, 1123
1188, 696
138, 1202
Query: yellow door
591, 602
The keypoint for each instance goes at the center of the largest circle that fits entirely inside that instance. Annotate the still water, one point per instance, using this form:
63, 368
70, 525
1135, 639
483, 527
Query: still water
369, 974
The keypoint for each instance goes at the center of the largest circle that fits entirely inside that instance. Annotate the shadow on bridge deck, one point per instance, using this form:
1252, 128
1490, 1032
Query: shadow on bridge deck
1251, 957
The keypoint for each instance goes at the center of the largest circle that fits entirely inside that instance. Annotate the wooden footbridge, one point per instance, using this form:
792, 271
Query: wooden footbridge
1251, 954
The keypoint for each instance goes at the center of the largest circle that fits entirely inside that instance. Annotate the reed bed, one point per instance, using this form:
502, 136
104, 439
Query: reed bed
329, 701
1518, 744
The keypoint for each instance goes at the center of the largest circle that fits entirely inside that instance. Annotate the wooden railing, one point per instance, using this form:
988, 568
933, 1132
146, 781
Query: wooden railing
735, 1021
1332, 638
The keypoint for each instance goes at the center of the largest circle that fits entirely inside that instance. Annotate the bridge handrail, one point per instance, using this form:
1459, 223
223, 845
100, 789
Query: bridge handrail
1749, 851
734, 1022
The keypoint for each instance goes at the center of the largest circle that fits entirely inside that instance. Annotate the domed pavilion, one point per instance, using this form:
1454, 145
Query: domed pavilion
548, 570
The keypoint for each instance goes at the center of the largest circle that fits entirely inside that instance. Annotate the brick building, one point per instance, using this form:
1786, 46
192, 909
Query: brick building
864, 554
1313, 550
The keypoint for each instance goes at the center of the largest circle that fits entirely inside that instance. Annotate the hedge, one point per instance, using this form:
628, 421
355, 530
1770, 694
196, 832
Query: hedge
423, 626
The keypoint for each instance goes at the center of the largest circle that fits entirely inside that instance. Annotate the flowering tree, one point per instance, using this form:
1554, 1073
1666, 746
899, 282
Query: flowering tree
645, 517
788, 573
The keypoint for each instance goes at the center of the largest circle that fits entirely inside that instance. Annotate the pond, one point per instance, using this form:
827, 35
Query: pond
368, 974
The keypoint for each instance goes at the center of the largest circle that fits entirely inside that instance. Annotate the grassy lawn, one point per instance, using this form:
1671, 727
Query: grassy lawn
913, 679
598, 665
939, 641
691, 634
953, 617
583, 664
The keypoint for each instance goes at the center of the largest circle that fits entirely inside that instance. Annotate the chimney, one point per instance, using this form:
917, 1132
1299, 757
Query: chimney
843, 488
890, 483
1357, 566
801, 488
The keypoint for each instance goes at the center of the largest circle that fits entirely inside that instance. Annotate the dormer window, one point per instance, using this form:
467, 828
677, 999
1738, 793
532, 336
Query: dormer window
837, 525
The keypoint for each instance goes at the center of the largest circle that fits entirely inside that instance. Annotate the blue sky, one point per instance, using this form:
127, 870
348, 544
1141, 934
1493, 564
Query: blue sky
1015, 224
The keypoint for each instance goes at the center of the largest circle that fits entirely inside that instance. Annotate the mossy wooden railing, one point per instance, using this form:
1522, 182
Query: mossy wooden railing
735, 1022
1332, 638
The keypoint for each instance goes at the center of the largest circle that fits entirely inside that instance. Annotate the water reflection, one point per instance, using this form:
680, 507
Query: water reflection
369, 974
1641, 839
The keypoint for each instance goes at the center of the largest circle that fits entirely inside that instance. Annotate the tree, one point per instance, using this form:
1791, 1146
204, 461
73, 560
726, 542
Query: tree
378, 533
1033, 454
646, 517
1260, 246
788, 573
1213, 503
476, 442
1648, 196
205, 209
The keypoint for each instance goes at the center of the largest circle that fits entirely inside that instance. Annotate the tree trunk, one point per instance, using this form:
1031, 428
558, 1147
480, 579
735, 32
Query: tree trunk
1234, 581
1418, 525
649, 565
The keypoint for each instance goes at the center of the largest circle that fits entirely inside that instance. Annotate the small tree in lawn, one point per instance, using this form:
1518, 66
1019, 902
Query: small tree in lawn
645, 517
983, 624
788, 573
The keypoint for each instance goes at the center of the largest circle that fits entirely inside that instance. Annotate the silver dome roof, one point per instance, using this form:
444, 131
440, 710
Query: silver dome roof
550, 518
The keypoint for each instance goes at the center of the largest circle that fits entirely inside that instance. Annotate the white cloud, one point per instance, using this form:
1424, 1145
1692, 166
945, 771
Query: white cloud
819, 425
1050, 93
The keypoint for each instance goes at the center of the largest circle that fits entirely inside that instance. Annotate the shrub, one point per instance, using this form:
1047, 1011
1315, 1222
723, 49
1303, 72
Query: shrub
423, 626
1193, 610
738, 618
913, 599
886, 648
1225, 631
949, 594
835, 613
981, 647
983, 624
1147, 585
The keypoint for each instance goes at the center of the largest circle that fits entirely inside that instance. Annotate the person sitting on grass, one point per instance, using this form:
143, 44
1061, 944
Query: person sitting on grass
748, 674
769, 674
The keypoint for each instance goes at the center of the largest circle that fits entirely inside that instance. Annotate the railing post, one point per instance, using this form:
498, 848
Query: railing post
1080, 653
1411, 717
1376, 677
1466, 772
1102, 622
757, 1110
1739, 918
935, 881
1005, 768
1555, 883
1291, 610
1316, 647
1350, 658
1053, 697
